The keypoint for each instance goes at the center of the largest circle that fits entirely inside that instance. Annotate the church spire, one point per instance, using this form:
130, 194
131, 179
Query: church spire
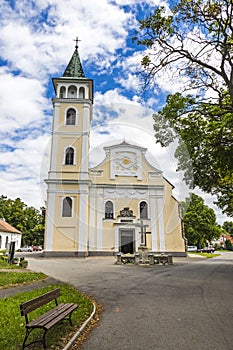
74, 68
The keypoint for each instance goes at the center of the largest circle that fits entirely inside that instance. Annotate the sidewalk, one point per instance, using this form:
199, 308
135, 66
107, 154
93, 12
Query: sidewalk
8, 292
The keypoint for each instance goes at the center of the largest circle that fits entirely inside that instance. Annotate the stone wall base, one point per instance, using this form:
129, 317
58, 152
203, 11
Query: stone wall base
77, 254
97, 253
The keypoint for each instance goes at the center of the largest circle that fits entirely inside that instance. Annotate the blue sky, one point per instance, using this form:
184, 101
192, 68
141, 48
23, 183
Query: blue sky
36, 40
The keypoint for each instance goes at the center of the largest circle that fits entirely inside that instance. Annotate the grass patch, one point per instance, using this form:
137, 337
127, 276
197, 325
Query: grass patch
12, 324
206, 255
209, 255
11, 279
5, 265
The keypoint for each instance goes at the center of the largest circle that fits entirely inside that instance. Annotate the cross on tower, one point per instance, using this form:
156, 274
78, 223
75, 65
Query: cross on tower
76, 40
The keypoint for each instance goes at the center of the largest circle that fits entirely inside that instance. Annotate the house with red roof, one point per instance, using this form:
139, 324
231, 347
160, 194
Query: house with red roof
9, 234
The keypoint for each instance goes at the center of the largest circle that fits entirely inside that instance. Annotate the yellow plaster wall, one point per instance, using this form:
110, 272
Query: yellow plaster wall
172, 224
64, 142
121, 203
63, 108
148, 240
65, 232
108, 238
126, 180
65, 239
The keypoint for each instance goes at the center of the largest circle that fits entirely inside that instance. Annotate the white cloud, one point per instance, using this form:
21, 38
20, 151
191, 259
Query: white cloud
25, 171
37, 46
131, 82
36, 42
111, 97
22, 101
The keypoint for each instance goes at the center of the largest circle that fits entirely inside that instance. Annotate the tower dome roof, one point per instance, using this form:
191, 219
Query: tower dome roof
74, 68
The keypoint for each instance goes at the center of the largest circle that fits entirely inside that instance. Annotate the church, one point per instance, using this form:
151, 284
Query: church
117, 206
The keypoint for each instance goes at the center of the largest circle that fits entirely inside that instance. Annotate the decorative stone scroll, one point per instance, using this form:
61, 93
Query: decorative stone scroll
126, 213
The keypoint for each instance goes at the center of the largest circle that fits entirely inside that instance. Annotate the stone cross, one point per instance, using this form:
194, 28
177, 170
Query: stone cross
143, 232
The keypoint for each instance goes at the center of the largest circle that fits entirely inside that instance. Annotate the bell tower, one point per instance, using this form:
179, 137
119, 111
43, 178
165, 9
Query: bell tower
68, 178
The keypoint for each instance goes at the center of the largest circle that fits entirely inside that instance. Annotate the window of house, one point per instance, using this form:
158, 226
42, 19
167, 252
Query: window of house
67, 207
7, 240
69, 156
143, 210
108, 210
0, 242
71, 116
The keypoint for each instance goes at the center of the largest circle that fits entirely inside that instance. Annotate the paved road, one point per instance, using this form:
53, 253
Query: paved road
185, 306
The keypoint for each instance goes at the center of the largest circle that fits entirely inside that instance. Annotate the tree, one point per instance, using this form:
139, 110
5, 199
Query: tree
28, 220
205, 149
196, 38
228, 244
199, 221
228, 227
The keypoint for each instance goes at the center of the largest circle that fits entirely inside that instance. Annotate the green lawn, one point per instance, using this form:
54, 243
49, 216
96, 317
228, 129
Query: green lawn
12, 324
5, 265
206, 255
10, 279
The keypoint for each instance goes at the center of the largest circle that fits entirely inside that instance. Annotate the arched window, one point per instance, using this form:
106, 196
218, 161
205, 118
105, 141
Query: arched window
69, 156
108, 210
62, 92
81, 92
71, 116
72, 92
143, 210
67, 207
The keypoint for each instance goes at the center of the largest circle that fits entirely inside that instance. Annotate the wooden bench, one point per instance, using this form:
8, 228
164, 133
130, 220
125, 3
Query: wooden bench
49, 319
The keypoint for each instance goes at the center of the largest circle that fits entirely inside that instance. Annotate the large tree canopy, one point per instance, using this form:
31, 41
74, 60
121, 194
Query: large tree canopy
228, 227
195, 41
200, 224
28, 220
205, 149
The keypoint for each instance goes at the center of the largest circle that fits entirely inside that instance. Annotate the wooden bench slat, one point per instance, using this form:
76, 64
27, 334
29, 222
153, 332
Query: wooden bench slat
55, 315
39, 319
60, 316
41, 300
49, 315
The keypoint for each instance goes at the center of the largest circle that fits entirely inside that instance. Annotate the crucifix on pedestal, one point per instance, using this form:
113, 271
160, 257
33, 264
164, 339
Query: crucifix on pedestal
143, 232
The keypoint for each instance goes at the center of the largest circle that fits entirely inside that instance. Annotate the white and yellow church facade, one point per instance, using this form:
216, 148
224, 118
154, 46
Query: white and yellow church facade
118, 205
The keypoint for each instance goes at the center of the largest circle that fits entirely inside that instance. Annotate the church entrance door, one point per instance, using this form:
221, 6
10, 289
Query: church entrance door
127, 244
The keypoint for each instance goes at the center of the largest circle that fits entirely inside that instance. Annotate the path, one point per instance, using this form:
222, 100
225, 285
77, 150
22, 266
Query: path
185, 306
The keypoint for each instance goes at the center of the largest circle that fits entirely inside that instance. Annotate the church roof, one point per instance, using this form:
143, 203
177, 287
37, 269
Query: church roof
74, 68
5, 227
126, 144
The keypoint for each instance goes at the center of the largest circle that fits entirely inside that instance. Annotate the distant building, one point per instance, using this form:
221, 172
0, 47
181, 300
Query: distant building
102, 210
9, 234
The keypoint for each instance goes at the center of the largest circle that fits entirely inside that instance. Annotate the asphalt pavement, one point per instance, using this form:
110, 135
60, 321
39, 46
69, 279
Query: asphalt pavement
185, 306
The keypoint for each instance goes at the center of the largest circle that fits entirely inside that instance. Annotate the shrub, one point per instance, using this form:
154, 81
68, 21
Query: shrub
23, 263
228, 245
15, 261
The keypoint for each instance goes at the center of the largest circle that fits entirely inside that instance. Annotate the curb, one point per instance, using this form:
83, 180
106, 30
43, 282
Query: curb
71, 342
